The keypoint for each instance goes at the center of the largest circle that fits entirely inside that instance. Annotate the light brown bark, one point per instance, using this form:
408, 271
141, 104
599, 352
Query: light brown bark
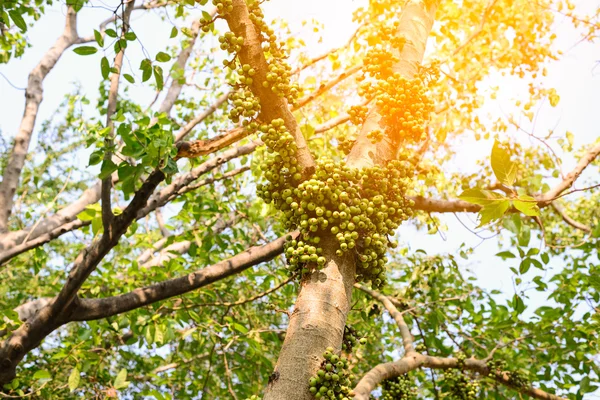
34, 94
322, 306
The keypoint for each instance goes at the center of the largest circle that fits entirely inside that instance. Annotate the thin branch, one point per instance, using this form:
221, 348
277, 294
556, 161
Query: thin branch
561, 211
111, 109
240, 301
315, 60
324, 87
41, 239
183, 132
414, 361
407, 337
566, 183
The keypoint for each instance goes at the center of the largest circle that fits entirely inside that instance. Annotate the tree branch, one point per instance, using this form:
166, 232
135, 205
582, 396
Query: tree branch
111, 109
33, 97
183, 132
588, 157
575, 224
272, 106
30, 334
415, 360
90, 309
407, 337
324, 87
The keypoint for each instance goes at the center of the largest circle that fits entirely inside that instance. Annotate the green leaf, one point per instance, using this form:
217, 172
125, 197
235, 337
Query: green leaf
129, 78
85, 50
130, 36
74, 379
504, 169
162, 57
493, 211
524, 236
505, 254
108, 167
240, 328
545, 258
104, 67
42, 375
146, 67
95, 158
518, 304
121, 380
527, 205
18, 20
174, 32
479, 196
158, 75
111, 32
99, 38
525, 265
596, 231
120, 45
206, 16
586, 386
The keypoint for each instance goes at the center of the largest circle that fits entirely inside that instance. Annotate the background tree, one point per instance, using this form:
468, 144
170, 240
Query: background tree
139, 272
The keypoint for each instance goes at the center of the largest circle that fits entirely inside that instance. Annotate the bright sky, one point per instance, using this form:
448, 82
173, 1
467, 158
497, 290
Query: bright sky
576, 77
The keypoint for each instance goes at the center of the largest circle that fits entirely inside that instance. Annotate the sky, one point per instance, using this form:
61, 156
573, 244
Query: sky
576, 77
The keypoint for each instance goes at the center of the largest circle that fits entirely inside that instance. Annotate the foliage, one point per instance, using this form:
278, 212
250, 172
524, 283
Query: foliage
221, 340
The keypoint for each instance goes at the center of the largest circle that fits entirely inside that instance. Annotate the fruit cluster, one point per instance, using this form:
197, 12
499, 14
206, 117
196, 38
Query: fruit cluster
333, 379
244, 104
278, 77
399, 388
231, 43
223, 6
457, 385
358, 114
358, 207
515, 378
351, 338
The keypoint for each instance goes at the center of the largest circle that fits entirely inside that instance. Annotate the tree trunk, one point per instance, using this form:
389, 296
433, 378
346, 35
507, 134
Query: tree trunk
316, 323
320, 313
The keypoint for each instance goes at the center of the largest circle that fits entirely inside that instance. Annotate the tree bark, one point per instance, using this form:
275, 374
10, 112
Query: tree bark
34, 95
323, 304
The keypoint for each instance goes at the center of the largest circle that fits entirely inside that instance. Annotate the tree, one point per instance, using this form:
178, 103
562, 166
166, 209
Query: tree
172, 264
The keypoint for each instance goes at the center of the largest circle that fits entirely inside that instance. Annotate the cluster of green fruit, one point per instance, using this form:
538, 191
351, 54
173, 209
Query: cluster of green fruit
223, 6
231, 43
399, 388
253, 397
515, 378
243, 104
333, 379
457, 385
358, 114
351, 338
278, 78
357, 207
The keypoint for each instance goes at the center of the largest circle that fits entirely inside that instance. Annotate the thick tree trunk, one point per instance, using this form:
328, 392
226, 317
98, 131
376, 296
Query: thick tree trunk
316, 323
320, 313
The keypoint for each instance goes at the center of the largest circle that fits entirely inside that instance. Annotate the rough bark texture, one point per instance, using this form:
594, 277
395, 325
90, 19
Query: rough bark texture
316, 323
34, 93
